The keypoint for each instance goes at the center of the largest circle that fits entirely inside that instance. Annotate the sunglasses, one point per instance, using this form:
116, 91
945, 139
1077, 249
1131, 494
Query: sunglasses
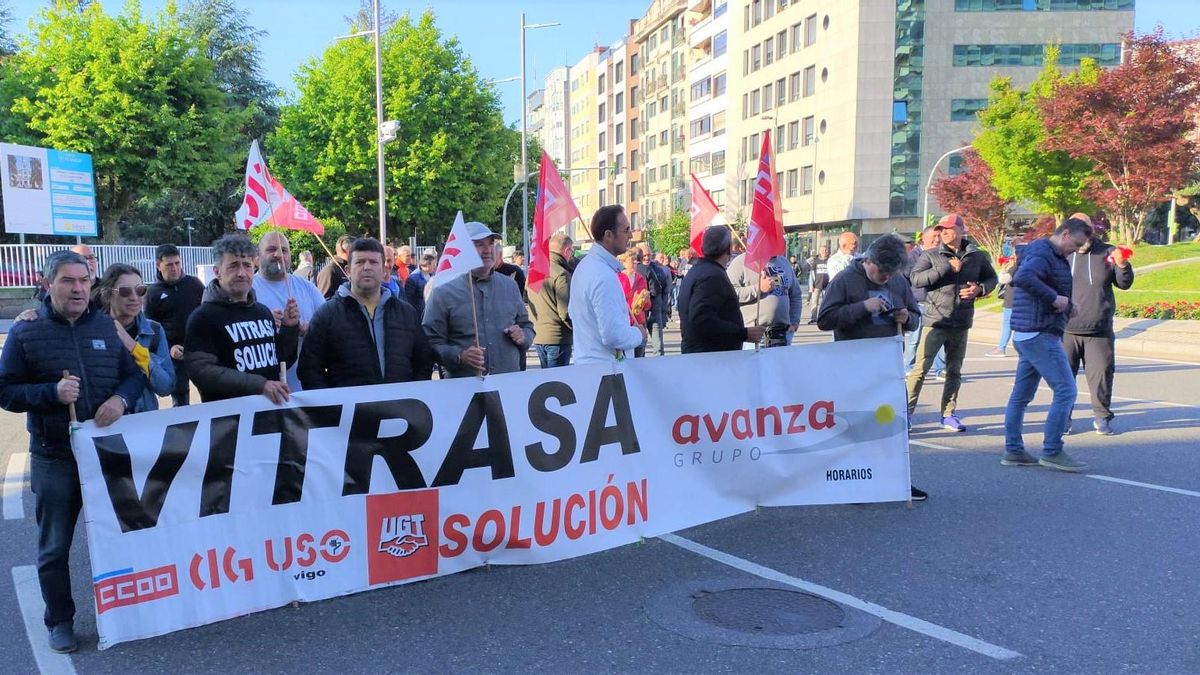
126, 291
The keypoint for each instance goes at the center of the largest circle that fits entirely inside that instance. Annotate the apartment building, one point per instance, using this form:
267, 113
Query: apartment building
615, 117
580, 172
708, 82
662, 45
555, 134
863, 98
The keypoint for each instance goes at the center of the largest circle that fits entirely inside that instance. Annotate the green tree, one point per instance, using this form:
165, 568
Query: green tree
452, 151
6, 44
1013, 143
133, 92
670, 234
228, 39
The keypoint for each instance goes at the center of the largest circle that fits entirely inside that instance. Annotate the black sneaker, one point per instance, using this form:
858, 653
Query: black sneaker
62, 638
918, 495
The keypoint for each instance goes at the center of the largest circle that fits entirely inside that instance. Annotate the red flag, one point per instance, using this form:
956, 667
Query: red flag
764, 236
553, 210
267, 200
703, 211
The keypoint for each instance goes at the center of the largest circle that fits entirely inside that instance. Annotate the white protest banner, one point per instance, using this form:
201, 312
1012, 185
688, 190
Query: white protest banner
207, 512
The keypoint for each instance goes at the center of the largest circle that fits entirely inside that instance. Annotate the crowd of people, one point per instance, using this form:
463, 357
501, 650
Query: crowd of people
103, 345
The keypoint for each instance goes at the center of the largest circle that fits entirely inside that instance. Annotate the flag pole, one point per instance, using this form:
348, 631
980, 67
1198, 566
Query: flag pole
475, 317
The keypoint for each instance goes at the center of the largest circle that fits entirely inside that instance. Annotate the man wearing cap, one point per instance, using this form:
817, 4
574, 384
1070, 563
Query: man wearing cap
451, 317
952, 276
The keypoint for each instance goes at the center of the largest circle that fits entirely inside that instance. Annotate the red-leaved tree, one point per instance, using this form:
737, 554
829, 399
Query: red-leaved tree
1134, 124
971, 195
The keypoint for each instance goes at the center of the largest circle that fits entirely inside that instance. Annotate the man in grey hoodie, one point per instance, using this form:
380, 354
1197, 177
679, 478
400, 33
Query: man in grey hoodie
772, 297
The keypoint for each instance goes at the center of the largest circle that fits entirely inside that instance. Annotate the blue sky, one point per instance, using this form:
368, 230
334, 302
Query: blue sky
488, 30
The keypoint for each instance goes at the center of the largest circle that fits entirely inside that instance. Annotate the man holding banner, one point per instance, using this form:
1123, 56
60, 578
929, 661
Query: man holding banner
42, 371
233, 346
274, 286
476, 321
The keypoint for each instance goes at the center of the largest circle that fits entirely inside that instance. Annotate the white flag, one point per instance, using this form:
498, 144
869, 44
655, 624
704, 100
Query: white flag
261, 193
458, 256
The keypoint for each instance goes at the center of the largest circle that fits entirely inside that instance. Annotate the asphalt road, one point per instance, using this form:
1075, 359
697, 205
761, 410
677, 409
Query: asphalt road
1002, 570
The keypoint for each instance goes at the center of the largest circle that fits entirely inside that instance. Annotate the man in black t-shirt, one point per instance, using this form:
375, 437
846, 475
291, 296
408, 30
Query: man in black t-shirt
234, 348
819, 264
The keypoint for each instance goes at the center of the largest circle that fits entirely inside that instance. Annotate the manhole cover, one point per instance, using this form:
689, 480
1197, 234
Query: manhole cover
768, 611
749, 613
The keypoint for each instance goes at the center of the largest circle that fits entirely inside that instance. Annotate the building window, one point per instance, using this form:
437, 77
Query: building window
652, 175
720, 7
966, 109
768, 9
746, 18
754, 146
756, 5
810, 82
600, 113
718, 161
619, 75
745, 106
755, 58
619, 134
720, 44
810, 30
793, 135
633, 97
620, 194
806, 180
796, 28
600, 84
755, 102
601, 140
794, 87
633, 157
602, 197
780, 92
768, 99
745, 62
1105, 54
619, 102
769, 50
781, 44
633, 129
718, 123
719, 85
662, 138
809, 130
634, 62
702, 126
702, 89
791, 183
633, 191
1042, 5
779, 139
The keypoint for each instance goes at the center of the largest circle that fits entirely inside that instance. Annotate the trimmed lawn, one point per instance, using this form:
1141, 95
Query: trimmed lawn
1170, 284
1144, 254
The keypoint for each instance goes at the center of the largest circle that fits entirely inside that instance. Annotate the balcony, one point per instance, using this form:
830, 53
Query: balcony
678, 109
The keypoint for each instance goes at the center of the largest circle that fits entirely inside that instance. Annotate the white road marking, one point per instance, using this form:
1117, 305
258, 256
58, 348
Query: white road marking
935, 446
1169, 404
14, 486
1149, 486
29, 597
891, 616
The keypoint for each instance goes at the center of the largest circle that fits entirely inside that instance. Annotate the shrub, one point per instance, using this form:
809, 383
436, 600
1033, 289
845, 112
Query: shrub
1180, 309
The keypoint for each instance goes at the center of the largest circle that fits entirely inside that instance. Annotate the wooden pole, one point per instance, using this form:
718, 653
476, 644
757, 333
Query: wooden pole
475, 318
71, 406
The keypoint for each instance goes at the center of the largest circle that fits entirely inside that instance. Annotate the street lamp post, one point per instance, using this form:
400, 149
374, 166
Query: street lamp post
188, 221
929, 180
524, 132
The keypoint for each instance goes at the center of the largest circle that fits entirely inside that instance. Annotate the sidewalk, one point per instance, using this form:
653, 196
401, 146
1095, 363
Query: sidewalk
1178, 340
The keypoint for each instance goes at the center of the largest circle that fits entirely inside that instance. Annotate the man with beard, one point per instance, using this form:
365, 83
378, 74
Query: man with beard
274, 286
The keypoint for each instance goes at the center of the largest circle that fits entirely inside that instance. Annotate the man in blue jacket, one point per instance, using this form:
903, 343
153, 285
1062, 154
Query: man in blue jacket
1041, 308
67, 336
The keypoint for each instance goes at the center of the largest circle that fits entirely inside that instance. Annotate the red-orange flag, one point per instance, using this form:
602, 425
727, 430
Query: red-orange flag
553, 210
764, 236
703, 211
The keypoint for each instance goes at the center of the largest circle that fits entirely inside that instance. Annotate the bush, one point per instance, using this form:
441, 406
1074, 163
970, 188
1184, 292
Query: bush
1180, 309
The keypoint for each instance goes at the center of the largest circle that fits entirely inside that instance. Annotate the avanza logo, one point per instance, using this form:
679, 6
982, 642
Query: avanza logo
402, 531
402, 536
131, 588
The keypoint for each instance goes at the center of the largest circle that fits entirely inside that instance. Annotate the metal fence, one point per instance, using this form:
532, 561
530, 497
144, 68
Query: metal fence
20, 263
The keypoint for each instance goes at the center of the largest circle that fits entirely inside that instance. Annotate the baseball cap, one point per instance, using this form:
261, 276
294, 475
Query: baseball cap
949, 220
477, 231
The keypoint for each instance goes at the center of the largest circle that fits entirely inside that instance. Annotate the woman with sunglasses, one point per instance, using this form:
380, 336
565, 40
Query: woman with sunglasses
121, 293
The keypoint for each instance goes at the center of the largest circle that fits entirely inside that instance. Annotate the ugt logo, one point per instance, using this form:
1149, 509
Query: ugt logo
402, 536
402, 532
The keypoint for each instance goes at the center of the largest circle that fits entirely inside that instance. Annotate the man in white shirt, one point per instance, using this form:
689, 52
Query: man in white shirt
847, 248
603, 331
273, 285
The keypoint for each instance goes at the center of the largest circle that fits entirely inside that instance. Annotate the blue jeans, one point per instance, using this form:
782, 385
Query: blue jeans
55, 483
553, 356
1005, 328
656, 323
1040, 358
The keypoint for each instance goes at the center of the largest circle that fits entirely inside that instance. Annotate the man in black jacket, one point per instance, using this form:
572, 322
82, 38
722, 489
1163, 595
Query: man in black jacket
234, 347
333, 274
872, 299
710, 319
364, 335
1089, 338
171, 301
952, 276
67, 335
